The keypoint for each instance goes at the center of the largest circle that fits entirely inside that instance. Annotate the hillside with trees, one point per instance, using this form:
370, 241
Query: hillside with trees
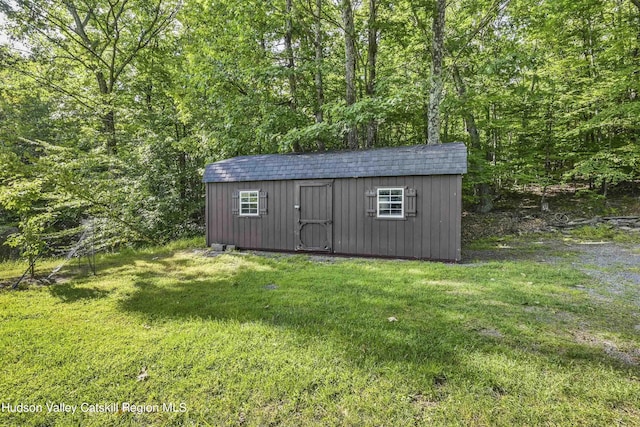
109, 109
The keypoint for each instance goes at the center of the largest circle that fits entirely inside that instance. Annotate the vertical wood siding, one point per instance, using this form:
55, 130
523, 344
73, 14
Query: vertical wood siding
434, 233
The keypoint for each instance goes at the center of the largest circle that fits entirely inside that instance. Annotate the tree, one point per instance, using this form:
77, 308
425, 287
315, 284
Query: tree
372, 53
22, 195
100, 39
132, 97
319, 60
436, 80
350, 68
291, 65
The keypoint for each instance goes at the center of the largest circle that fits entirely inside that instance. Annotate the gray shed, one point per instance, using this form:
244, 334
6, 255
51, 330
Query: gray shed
391, 202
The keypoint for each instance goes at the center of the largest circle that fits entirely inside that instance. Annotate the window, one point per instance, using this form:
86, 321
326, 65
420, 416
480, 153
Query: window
390, 202
249, 203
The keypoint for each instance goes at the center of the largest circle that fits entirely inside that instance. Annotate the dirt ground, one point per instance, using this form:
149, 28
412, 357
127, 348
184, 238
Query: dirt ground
616, 266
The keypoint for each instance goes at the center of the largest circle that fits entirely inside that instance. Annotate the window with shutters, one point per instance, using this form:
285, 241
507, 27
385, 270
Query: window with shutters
390, 203
249, 202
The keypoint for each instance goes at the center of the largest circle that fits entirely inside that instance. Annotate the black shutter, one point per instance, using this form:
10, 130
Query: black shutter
263, 202
370, 202
410, 200
235, 203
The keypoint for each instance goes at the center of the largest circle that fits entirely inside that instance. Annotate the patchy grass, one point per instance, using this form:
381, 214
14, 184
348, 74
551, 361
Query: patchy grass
10, 270
529, 248
285, 340
603, 232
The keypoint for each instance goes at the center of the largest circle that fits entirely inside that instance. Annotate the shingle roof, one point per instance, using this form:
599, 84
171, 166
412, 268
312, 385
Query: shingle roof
442, 159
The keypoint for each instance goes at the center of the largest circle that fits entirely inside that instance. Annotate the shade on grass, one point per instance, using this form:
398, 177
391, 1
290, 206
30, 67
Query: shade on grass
251, 340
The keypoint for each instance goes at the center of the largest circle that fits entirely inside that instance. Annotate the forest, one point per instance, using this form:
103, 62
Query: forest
110, 109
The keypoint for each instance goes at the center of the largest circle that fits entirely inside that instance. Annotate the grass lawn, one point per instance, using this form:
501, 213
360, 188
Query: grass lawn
287, 340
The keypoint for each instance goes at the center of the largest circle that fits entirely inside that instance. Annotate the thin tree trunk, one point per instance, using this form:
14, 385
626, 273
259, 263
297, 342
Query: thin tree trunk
32, 267
109, 130
148, 95
633, 93
446, 126
108, 118
288, 48
425, 117
435, 89
182, 170
149, 86
350, 67
105, 87
483, 189
469, 118
372, 53
318, 73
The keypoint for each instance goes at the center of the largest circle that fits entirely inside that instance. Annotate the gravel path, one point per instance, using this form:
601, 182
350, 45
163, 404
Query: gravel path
615, 266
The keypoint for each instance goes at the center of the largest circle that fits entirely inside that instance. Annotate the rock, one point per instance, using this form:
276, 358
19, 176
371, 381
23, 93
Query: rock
143, 375
490, 332
217, 247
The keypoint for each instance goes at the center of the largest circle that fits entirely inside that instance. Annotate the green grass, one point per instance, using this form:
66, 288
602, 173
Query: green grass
281, 340
602, 232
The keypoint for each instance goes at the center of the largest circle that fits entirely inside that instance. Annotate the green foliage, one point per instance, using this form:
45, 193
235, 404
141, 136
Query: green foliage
30, 239
23, 196
612, 167
590, 232
117, 124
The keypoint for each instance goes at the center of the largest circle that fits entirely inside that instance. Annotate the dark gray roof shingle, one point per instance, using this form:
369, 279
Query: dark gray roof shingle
442, 159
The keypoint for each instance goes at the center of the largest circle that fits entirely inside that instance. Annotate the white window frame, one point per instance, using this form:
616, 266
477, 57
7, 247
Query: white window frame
386, 216
248, 193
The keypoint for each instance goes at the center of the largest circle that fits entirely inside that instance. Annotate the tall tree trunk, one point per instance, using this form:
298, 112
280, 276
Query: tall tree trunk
435, 89
483, 189
350, 67
372, 53
182, 184
106, 87
633, 93
318, 73
469, 118
148, 90
108, 118
288, 48
109, 130
149, 85
32, 267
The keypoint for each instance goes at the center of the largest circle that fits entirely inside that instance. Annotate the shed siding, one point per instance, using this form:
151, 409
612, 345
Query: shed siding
434, 233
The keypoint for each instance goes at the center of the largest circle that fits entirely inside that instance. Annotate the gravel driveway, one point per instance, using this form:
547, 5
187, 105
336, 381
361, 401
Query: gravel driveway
615, 266
621, 262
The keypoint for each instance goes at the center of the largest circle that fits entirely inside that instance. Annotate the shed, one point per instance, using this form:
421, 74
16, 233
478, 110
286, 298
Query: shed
400, 202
